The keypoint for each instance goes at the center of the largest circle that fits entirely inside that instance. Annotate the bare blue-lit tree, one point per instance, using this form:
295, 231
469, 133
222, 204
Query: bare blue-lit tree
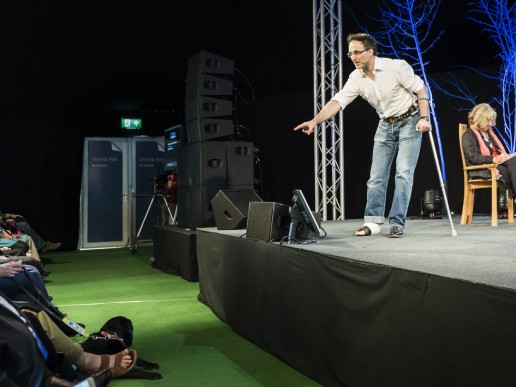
406, 33
498, 19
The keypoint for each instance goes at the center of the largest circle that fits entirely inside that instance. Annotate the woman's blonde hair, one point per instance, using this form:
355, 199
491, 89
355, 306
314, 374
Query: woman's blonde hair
481, 115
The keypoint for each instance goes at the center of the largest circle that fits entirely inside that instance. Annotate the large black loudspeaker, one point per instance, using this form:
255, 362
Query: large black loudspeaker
204, 129
208, 99
205, 62
267, 221
230, 208
194, 206
205, 84
205, 167
204, 106
227, 164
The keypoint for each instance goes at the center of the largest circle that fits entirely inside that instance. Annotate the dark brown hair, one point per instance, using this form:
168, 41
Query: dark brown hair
366, 39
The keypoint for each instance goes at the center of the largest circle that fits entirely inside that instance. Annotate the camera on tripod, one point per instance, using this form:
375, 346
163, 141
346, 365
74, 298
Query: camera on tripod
165, 196
161, 180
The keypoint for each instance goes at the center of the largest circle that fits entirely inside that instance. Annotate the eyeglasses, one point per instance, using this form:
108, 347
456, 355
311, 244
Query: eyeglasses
356, 53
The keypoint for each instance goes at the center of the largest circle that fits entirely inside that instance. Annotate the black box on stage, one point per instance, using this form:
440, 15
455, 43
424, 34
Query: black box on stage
230, 208
267, 221
175, 252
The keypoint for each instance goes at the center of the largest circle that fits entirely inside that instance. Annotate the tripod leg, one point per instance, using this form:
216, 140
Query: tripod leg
145, 218
172, 217
174, 222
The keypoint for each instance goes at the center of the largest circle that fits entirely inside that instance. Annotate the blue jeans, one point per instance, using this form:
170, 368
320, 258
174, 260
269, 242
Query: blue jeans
29, 280
403, 141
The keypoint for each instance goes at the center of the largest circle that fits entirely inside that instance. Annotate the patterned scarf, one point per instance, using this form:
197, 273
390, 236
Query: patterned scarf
484, 150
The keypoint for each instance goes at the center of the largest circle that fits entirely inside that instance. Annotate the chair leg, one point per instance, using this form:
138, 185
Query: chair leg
510, 207
464, 216
494, 207
471, 205
467, 206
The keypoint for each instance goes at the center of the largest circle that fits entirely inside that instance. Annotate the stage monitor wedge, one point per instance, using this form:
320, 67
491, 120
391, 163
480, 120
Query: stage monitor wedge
230, 208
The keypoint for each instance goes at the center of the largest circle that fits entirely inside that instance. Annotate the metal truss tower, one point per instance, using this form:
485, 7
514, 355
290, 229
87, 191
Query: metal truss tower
328, 137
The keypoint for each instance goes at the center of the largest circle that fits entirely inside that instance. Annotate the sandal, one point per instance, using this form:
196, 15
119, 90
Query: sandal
117, 370
368, 229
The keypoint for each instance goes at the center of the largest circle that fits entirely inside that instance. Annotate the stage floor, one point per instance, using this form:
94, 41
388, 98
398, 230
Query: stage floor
479, 253
424, 310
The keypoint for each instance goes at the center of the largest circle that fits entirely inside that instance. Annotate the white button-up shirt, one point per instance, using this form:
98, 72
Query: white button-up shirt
391, 93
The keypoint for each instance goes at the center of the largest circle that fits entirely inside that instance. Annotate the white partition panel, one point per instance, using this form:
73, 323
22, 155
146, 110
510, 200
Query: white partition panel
147, 162
117, 187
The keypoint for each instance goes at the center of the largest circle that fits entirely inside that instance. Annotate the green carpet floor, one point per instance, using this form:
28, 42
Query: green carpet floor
171, 327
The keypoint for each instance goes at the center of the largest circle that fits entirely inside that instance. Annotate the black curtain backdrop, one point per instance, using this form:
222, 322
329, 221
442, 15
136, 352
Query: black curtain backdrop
42, 163
287, 157
43, 150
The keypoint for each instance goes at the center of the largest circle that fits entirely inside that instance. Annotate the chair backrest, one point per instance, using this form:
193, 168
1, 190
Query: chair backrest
462, 130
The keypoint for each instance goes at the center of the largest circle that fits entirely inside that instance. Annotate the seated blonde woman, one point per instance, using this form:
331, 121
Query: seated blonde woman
482, 146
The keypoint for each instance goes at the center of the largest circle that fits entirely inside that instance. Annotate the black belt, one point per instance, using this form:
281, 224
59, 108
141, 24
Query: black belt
412, 110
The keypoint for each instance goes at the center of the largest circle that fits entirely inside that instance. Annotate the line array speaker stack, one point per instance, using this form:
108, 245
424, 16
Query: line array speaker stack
209, 97
210, 161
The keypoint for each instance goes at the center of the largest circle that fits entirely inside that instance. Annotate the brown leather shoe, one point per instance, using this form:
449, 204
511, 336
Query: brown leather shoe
50, 246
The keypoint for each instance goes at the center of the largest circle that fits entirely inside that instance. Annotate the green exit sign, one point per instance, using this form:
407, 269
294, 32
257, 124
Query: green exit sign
131, 123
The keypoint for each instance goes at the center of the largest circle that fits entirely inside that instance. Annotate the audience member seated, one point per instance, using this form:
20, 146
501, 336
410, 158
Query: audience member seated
88, 363
10, 254
14, 274
482, 146
18, 240
26, 352
23, 225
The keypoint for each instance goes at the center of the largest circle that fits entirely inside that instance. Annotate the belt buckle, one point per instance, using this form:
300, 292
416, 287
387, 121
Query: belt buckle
392, 120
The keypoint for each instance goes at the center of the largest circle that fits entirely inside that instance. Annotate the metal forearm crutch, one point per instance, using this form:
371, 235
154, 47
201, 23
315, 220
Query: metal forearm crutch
454, 233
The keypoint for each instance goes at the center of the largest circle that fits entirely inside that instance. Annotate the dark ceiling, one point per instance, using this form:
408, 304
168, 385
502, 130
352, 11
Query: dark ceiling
119, 55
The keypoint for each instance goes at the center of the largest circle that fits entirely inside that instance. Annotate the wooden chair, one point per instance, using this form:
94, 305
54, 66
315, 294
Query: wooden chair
470, 185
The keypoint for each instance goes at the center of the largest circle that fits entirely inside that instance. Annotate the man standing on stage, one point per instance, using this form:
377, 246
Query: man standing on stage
400, 98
